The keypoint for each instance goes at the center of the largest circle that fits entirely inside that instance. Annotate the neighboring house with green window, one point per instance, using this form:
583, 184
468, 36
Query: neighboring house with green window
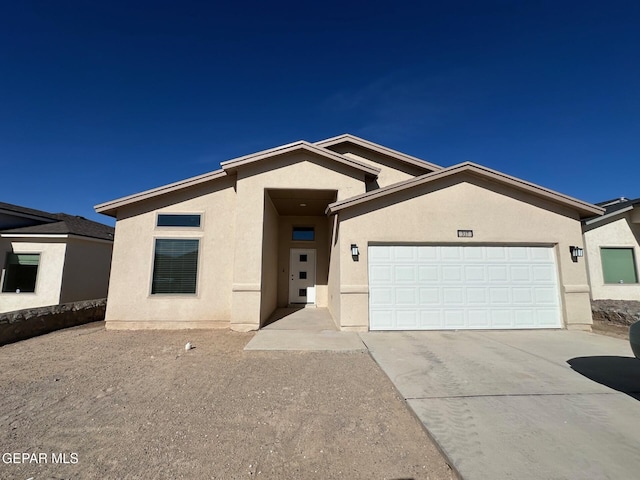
612, 250
51, 258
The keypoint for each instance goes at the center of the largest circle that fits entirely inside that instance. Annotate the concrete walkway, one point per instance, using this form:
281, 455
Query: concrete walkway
308, 329
524, 404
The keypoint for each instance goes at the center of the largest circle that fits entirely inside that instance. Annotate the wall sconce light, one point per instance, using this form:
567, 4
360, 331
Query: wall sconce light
354, 250
576, 252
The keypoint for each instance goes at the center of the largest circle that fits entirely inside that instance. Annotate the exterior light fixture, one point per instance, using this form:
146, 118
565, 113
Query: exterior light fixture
576, 252
354, 250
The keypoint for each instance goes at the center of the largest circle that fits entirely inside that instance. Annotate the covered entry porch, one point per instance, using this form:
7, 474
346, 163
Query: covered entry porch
296, 249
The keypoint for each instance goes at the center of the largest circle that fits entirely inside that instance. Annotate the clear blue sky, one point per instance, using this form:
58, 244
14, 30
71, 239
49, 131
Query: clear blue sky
101, 99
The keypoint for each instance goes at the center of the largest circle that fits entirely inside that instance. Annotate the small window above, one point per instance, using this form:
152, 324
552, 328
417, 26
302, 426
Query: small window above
303, 234
178, 220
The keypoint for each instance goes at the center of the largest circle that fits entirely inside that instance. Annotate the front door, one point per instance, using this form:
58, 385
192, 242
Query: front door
302, 276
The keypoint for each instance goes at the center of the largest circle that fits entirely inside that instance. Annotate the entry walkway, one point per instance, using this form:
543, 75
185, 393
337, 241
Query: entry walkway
308, 329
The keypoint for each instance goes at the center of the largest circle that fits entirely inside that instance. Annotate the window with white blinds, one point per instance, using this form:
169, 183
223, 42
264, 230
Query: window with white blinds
175, 266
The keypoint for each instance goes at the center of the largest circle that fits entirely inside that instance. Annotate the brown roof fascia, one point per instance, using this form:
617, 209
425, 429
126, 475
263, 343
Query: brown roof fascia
366, 144
110, 208
585, 209
232, 165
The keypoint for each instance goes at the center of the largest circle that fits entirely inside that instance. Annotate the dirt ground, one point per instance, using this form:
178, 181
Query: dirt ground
92, 403
611, 329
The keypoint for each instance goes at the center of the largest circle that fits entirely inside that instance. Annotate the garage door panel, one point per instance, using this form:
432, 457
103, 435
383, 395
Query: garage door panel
499, 296
427, 253
496, 253
454, 319
522, 296
381, 275
501, 318
452, 296
383, 319
405, 273
477, 296
404, 255
407, 319
471, 255
547, 317
497, 273
431, 319
430, 296
463, 287
452, 273
406, 296
381, 296
428, 274
543, 274
545, 296
475, 273
450, 254
542, 255
520, 273
517, 254
380, 253
523, 318
478, 318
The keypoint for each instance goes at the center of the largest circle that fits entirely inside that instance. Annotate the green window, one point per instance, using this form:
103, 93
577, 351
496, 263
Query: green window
21, 271
619, 265
175, 266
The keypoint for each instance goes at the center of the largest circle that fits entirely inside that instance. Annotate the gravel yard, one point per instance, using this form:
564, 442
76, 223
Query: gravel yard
89, 403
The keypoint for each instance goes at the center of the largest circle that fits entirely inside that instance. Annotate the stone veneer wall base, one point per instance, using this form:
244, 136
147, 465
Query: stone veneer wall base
31, 322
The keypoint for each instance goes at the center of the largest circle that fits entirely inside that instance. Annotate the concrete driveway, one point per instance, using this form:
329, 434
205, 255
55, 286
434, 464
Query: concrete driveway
521, 404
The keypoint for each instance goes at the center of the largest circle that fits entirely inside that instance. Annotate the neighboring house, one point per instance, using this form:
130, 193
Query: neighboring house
384, 240
612, 249
51, 258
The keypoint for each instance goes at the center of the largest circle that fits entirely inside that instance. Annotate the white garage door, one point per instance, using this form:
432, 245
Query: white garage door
462, 287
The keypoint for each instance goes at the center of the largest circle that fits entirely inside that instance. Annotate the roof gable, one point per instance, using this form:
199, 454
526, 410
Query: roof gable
27, 213
236, 163
613, 208
65, 225
380, 149
230, 167
110, 208
585, 209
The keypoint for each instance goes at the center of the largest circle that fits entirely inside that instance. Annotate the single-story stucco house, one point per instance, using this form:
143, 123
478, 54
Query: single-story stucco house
383, 240
612, 249
51, 258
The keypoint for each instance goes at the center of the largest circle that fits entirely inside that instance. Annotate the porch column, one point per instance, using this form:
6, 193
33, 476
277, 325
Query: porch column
247, 271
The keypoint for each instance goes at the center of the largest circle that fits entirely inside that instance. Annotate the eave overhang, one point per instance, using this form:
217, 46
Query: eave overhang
583, 208
110, 208
301, 146
374, 147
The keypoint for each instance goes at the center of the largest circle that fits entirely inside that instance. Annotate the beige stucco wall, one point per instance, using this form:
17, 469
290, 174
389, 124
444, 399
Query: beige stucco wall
496, 214
130, 303
49, 276
86, 269
269, 281
298, 171
333, 290
620, 231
